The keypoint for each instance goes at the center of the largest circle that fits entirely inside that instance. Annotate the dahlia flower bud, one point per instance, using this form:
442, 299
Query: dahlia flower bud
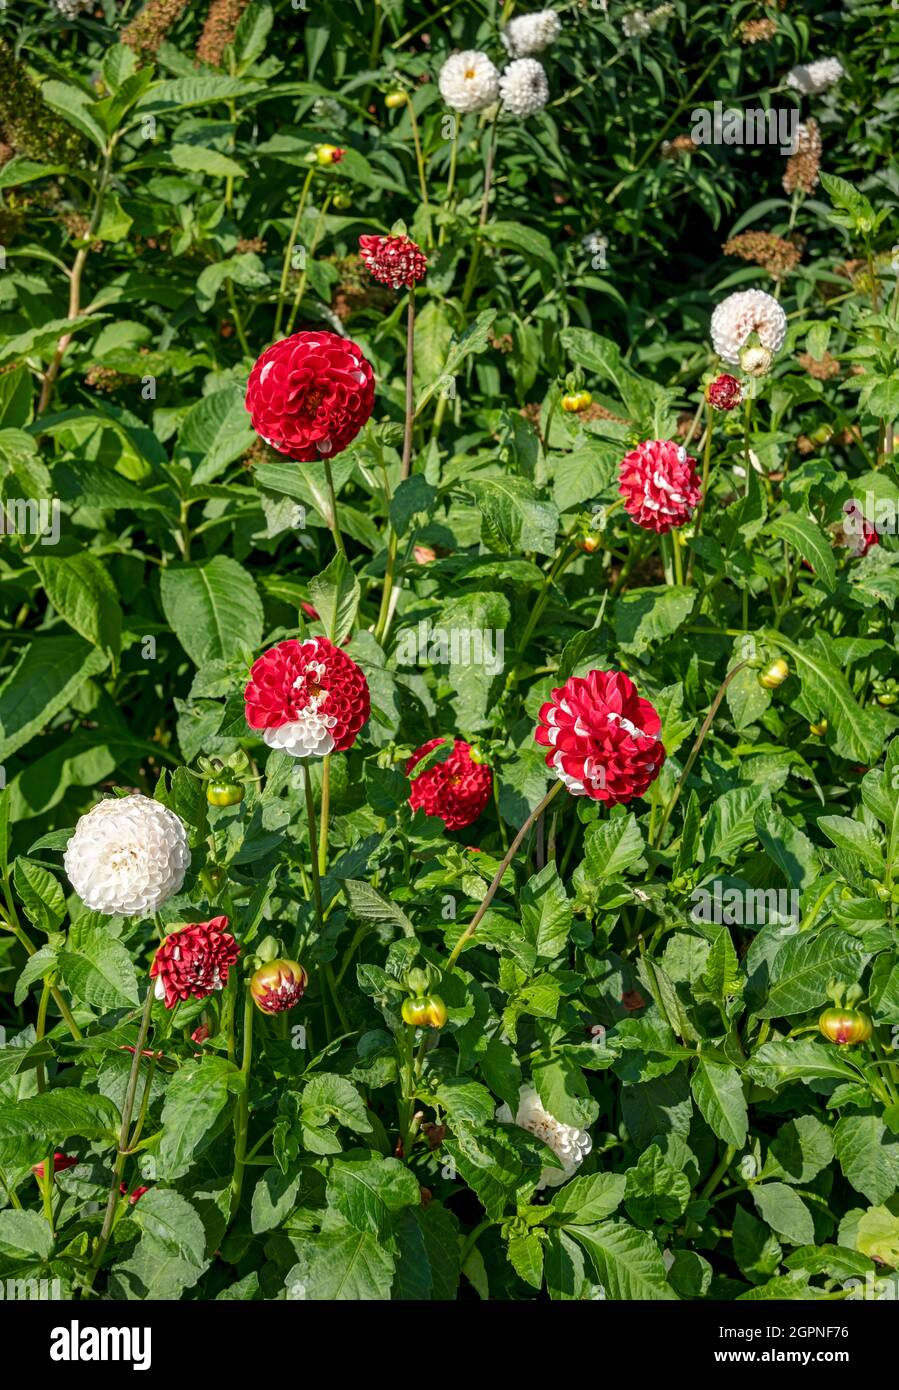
310, 394
329, 154
531, 33
523, 87
469, 81
278, 985
194, 960
393, 260
774, 674
659, 484
815, 77
61, 1162
603, 738
308, 698
756, 361
457, 790
724, 393
127, 857
845, 1026
569, 1144
739, 316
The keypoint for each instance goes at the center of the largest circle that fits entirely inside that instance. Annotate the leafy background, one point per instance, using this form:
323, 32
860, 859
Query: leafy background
150, 193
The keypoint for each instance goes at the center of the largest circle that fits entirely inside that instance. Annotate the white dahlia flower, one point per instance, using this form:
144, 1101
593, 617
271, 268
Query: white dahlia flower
70, 9
815, 77
469, 81
739, 316
128, 856
569, 1144
531, 33
523, 87
636, 25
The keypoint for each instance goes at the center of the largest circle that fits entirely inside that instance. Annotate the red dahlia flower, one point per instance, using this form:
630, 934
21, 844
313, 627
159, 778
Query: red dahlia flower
194, 961
310, 394
308, 698
724, 393
456, 790
603, 738
659, 484
135, 1195
394, 260
61, 1161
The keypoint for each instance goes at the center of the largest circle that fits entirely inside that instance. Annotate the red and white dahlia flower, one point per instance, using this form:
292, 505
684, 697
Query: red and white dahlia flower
194, 961
603, 738
278, 985
456, 790
394, 260
659, 484
310, 394
724, 393
308, 698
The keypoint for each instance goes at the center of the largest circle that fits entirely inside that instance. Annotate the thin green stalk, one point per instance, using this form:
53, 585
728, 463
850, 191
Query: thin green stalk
336, 531
498, 876
419, 160
288, 253
383, 624
242, 1113
301, 287
451, 179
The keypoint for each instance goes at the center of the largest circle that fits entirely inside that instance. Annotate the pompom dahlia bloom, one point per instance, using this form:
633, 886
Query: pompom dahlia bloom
128, 856
569, 1144
659, 484
531, 33
811, 78
603, 739
456, 790
393, 260
310, 394
724, 393
739, 316
194, 961
308, 698
523, 87
469, 81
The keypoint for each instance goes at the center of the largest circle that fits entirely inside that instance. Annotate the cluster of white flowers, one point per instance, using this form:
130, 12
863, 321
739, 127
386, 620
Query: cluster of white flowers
638, 23
531, 33
470, 81
329, 113
811, 78
737, 318
127, 856
570, 1144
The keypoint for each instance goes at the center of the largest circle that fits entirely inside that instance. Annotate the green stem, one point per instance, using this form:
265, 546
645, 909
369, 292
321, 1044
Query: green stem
336, 531
22, 937
718, 1172
288, 253
242, 1113
498, 876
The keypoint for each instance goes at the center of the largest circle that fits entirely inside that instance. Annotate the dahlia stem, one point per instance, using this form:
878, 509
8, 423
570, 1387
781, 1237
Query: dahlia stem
338, 534
313, 848
498, 876
242, 1113
706, 471
123, 1148
288, 252
471, 276
747, 417
678, 559
46, 1182
325, 812
451, 180
694, 751
419, 160
385, 611
301, 287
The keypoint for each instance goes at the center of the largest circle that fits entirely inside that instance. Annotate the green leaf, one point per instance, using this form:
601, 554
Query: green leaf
646, 616
369, 905
328, 1096
41, 894
784, 1211
546, 913
718, 1092
473, 340
47, 675
756, 1249
513, 517
54, 1117
803, 967
655, 1190
83, 594
213, 609
335, 595
526, 1258
194, 1112
527, 241
564, 1091
214, 432
97, 969
858, 734
809, 541
590, 1198
628, 1263
368, 1191
868, 1155
24, 1233
777, 1064
342, 1266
